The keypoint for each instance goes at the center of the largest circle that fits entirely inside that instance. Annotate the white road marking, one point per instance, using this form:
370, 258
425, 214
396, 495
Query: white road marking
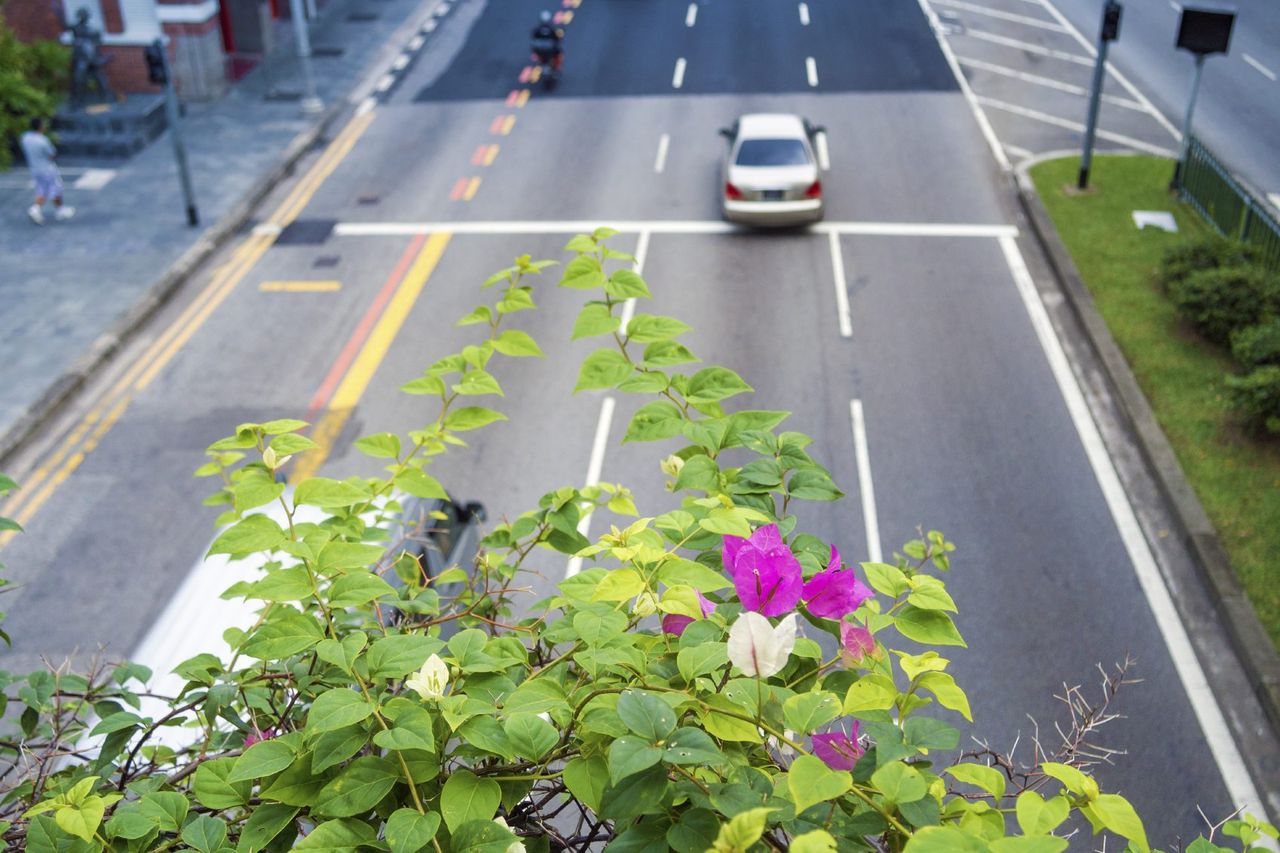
385, 82
1260, 68
1274, 198
842, 290
824, 153
811, 70
1212, 724
691, 16
1026, 21
416, 43
660, 162
984, 125
594, 466
642, 249
1111, 68
1029, 47
677, 79
1175, 7
94, 179
429, 26
1076, 126
804, 14
668, 226
400, 63
266, 229
1048, 82
1017, 151
865, 486
366, 106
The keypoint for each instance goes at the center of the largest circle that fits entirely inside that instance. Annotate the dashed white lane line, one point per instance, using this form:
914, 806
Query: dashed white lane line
824, 152
429, 25
1260, 68
865, 487
811, 70
842, 290
691, 16
660, 162
804, 14
384, 82
677, 78
1018, 44
1026, 21
1076, 126
416, 43
594, 466
366, 106
1047, 82
1234, 774
400, 63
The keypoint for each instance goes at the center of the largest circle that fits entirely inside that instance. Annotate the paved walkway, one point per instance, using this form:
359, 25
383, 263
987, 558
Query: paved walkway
64, 285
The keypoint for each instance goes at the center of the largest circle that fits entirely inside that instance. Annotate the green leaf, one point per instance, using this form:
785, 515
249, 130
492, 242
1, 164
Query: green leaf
701, 659
432, 385
899, 783
469, 418
681, 571
626, 284
286, 632
807, 712
596, 629
619, 585
358, 788
408, 831
333, 748
337, 555
516, 344
530, 736
465, 798
646, 714
645, 382
944, 839
927, 733
813, 484
810, 781
1037, 816
650, 328
289, 444
668, 354
692, 746
213, 787
743, 830
1038, 844
336, 709
930, 627
283, 425
328, 494
654, 422
477, 383
205, 833
267, 821
870, 693
630, 755
358, 587
338, 836
712, 384
604, 368
948, 693
585, 779
695, 832
420, 484
635, 795
382, 445
248, 536
298, 785
291, 584
251, 493
126, 823
482, 836
930, 594
583, 273
594, 319
1072, 779
817, 841
988, 779
413, 729
535, 696
115, 723
166, 809
1117, 815
886, 579
263, 759
83, 820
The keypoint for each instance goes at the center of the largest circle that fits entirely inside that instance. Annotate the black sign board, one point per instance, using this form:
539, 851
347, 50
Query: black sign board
1205, 31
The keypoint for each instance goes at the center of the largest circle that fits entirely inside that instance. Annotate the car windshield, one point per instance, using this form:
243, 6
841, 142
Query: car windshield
772, 152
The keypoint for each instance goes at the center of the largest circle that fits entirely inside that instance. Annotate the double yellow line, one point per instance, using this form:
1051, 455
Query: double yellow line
85, 435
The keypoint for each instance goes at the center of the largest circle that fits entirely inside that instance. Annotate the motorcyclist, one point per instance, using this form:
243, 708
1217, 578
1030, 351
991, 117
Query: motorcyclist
546, 44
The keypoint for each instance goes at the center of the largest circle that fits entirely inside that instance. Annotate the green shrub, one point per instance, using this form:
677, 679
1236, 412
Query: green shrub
1257, 345
31, 78
1256, 397
1212, 252
1218, 301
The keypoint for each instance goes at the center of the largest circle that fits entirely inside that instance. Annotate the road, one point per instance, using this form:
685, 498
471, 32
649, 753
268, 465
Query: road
349, 284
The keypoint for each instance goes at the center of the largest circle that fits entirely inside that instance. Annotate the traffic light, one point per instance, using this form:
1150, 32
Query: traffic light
1111, 21
156, 71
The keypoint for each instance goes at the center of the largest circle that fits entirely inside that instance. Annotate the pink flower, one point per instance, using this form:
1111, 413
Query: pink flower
675, 623
258, 737
840, 751
765, 573
856, 643
836, 592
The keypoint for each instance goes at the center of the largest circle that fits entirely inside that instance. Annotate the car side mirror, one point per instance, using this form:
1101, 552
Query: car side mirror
726, 132
814, 129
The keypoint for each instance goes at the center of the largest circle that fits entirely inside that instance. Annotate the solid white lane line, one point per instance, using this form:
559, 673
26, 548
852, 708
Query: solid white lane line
804, 14
1048, 82
824, 153
1260, 68
811, 70
867, 490
642, 249
1038, 23
1212, 724
667, 226
692, 15
400, 63
1112, 70
1029, 47
660, 162
1076, 126
842, 290
677, 79
594, 466
384, 82
988, 133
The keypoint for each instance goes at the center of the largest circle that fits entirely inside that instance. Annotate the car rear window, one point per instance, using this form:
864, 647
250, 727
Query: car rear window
772, 152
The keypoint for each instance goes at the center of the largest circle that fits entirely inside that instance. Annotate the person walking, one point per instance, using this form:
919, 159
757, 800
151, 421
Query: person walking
40, 155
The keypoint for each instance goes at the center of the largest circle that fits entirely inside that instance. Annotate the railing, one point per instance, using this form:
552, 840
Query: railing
1235, 212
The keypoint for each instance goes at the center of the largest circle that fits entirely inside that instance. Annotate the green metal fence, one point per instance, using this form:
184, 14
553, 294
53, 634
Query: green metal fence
1207, 186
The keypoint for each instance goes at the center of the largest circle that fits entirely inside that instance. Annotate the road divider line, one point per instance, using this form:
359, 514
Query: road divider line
1067, 124
1235, 776
691, 16
1260, 68
866, 488
842, 290
1024, 20
811, 70
490, 155
473, 186
660, 162
804, 14
347, 394
595, 465
1029, 47
1048, 82
642, 250
677, 78
824, 152
400, 63
667, 226
320, 286
416, 43
384, 83
320, 171
459, 187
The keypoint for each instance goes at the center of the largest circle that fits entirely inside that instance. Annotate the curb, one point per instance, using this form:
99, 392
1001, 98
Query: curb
1250, 641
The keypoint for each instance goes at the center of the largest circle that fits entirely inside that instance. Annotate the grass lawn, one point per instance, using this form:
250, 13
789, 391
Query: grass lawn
1235, 475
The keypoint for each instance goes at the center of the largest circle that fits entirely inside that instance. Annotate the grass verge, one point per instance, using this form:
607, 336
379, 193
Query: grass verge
1235, 475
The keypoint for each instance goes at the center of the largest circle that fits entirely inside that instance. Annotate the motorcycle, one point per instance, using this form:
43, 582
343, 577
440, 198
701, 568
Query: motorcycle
548, 60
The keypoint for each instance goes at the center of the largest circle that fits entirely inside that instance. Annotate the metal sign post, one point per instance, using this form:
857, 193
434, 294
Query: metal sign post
1201, 31
1109, 32
311, 104
159, 71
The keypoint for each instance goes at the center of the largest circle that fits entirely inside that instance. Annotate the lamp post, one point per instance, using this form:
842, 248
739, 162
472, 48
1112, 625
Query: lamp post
311, 104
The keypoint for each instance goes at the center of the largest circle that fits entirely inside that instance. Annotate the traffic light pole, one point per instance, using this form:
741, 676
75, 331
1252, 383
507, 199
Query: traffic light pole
175, 132
1109, 32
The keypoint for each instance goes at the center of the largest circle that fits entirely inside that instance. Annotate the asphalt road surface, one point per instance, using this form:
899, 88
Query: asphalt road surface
912, 306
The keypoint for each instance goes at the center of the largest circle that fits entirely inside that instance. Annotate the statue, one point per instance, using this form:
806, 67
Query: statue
86, 62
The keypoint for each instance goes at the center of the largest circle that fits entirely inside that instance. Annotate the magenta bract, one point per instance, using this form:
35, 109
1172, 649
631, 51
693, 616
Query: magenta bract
856, 643
838, 750
836, 592
765, 573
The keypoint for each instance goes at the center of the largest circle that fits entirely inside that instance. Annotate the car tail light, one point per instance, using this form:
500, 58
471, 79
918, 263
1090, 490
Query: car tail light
814, 190
730, 191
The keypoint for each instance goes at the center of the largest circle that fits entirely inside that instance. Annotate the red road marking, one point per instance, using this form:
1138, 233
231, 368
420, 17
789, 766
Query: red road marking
524, 74
477, 157
458, 189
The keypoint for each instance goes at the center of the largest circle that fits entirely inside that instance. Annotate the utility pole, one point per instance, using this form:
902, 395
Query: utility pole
1109, 32
159, 71
311, 103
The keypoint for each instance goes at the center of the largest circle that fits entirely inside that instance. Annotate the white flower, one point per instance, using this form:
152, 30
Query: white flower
757, 648
431, 680
646, 605
515, 846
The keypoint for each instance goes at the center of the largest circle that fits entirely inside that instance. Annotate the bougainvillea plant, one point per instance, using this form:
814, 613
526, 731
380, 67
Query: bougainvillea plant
715, 679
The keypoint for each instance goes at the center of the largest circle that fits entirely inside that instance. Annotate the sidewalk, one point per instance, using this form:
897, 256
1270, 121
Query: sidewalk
65, 288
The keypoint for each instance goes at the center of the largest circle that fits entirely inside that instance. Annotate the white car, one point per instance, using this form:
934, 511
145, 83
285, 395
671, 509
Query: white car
770, 172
